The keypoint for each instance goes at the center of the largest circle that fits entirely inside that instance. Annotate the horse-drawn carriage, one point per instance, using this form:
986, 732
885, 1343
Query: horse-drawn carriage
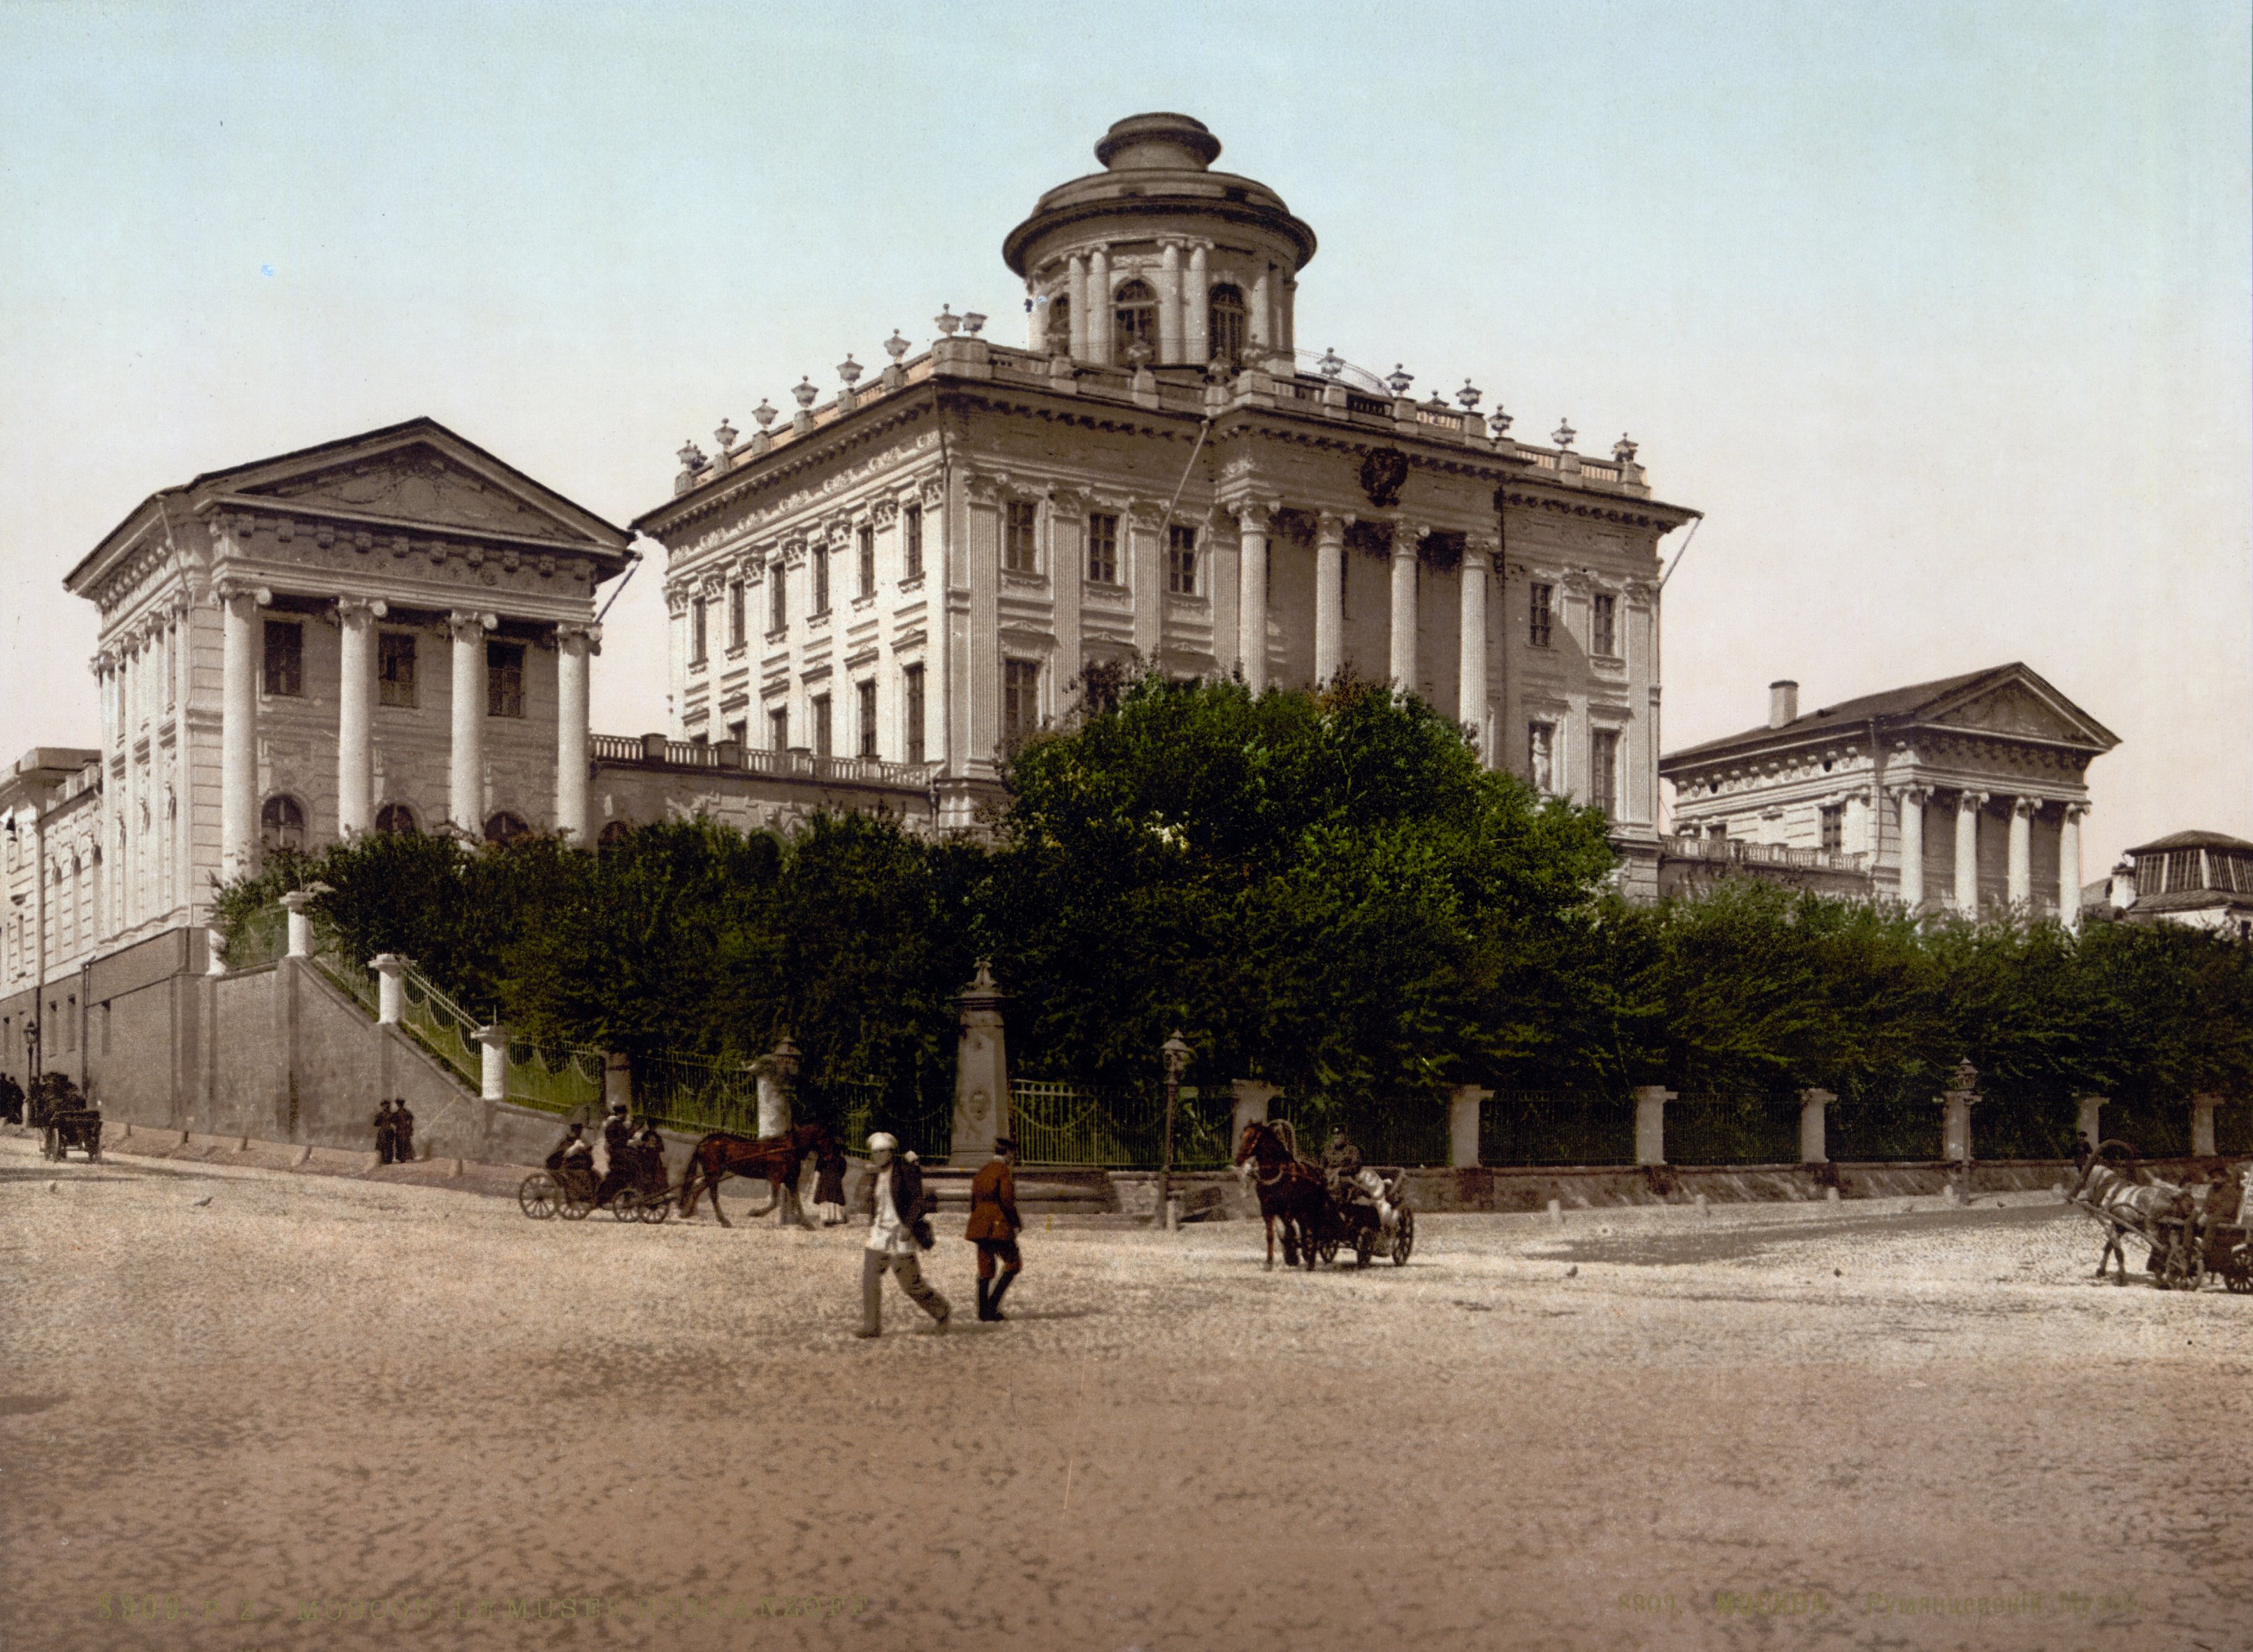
1368, 1213
2187, 1235
58, 1112
569, 1189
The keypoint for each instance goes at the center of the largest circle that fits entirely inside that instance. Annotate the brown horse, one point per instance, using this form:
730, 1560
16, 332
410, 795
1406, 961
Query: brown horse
1290, 1191
774, 1159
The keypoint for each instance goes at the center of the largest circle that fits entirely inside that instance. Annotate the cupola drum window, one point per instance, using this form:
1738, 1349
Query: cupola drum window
1134, 312
1226, 315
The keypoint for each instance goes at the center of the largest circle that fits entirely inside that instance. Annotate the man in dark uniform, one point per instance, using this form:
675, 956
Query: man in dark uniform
994, 1227
386, 1132
402, 1132
1341, 1164
649, 1160
617, 1144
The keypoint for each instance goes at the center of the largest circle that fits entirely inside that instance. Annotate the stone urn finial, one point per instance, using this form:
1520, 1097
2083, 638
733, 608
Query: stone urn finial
762, 415
1966, 1076
1399, 379
972, 321
725, 436
1468, 395
850, 370
1623, 450
1331, 365
1499, 423
803, 391
1138, 354
895, 346
1564, 434
691, 457
947, 320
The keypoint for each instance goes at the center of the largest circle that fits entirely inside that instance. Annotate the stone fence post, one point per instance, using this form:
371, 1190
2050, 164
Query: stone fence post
2090, 1125
1463, 1127
618, 1080
1650, 1122
1252, 1099
2201, 1124
981, 1071
1956, 1121
493, 1068
390, 991
301, 927
772, 1072
1813, 1149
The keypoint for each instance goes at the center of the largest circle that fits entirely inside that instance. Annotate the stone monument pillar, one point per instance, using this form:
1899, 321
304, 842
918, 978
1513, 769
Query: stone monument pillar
2201, 1125
1955, 1123
1463, 1127
1813, 1149
981, 1071
1650, 1123
2091, 1123
774, 1072
1252, 1099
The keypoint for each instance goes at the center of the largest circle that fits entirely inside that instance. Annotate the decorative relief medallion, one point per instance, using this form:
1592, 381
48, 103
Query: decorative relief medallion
1383, 473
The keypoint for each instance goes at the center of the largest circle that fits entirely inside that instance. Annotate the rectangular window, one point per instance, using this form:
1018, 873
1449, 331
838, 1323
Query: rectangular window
735, 615
778, 729
394, 667
1180, 560
1019, 552
821, 726
864, 550
777, 597
696, 630
172, 663
505, 680
1603, 617
912, 540
820, 554
740, 733
1541, 756
1021, 710
1834, 827
1537, 612
1603, 769
911, 712
866, 711
1103, 548
285, 657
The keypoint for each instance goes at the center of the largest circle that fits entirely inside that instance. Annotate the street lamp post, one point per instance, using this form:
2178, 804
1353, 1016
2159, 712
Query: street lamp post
1176, 1054
31, 1049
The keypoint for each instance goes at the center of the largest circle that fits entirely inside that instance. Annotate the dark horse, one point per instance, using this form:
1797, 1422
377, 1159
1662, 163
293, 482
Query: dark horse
1290, 1192
774, 1159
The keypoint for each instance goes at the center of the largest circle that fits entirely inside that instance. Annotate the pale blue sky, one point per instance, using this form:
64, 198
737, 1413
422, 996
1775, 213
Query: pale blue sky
1940, 313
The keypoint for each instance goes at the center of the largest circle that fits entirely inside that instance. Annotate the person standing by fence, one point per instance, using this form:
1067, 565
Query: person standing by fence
897, 1227
994, 1225
402, 1132
386, 1132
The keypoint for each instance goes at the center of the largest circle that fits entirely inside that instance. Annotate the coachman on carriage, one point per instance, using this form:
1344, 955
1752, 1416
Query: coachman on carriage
1321, 1207
2190, 1230
63, 1118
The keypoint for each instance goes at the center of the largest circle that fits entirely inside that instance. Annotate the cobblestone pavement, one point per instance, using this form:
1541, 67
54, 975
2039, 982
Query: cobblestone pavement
264, 1402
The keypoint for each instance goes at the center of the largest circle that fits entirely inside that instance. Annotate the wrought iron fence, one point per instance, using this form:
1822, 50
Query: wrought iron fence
1555, 1127
1875, 1124
260, 938
1059, 1123
1718, 1129
922, 1123
694, 1096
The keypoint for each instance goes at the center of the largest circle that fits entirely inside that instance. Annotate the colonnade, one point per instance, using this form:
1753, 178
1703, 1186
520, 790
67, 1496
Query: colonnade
467, 632
1182, 283
2018, 875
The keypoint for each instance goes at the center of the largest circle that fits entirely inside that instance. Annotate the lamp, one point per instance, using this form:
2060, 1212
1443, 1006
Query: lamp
1175, 1052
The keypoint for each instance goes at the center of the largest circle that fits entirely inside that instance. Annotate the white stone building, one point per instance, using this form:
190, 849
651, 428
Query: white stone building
918, 570
1961, 794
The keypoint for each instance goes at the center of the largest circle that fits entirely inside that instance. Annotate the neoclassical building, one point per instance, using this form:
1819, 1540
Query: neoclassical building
918, 569
1965, 794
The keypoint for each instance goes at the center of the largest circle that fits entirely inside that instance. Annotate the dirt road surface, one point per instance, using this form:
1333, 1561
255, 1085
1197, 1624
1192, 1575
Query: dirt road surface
245, 1408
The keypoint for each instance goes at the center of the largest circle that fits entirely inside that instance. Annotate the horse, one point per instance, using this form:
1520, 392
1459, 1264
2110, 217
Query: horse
2122, 1204
1290, 1191
775, 1159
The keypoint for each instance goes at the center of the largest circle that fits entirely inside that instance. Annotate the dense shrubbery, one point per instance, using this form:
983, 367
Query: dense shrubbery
1324, 890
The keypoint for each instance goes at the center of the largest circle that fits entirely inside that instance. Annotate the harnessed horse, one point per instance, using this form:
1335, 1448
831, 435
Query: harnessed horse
774, 1159
1290, 1190
2122, 1203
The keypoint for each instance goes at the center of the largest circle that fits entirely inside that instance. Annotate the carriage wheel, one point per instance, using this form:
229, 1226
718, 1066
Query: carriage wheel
536, 1195
1327, 1250
625, 1205
2237, 1276
575, 1205
1404, 1241
1363, 1243
655, 1208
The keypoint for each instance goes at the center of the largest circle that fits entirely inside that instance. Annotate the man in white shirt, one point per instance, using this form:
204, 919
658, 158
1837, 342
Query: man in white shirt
894, 1201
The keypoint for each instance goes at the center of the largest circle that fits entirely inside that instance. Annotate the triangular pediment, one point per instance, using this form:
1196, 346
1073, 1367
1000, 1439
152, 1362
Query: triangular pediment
2019, 705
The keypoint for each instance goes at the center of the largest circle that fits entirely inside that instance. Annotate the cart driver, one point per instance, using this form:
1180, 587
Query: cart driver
618, 1145
573, 1153
1341, 1164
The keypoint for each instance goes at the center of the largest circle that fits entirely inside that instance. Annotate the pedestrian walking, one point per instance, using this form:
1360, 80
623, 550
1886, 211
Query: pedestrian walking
994, 1226
829, 1188
386, 1133
898, 1229
402, 1132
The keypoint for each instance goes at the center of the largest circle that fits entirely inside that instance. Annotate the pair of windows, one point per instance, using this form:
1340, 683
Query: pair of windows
1603, 620
1134, 321
283, 669
1103, 554
1603, 763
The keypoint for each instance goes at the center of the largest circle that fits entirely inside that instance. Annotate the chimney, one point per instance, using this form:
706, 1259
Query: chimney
1783, 703
2122, 895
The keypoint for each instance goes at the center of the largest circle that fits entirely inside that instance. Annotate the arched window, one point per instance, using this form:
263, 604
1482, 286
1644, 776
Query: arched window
281, 824
1059, 328
613, 835
1225, 315
506, 828
1134, 310
396, 819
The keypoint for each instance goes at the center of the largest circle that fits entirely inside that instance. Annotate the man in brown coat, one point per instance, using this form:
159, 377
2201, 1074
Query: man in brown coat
993, 1226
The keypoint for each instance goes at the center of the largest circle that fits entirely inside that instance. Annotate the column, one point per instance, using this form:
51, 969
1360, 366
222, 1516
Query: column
390, 992
301, 927
492, 1062
1251, 594
1470, 664
1463, 1127
466, 767
2090, 1125
981, 1071
356, 618
2201, 1125
1197, 309
1099, 305
1169, 304
2068, 867
2021, 885
238, 738
1403, 664
1260, 288
1076, 287
1329, 596
1967, 851
1650, 1123
1813, 1149
1249, 1107
573, 646
1911, 799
